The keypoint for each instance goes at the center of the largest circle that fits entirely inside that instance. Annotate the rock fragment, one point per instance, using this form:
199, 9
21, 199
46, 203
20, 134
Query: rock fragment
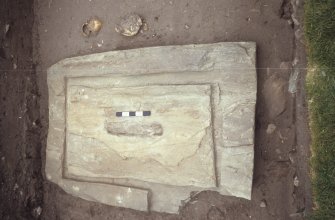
37, 212
271, 128
7, 26
263, 204
296, 181
92, 27
129, 25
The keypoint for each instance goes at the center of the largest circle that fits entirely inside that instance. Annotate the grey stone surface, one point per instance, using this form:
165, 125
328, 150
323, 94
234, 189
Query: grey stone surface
181, 156
202, 99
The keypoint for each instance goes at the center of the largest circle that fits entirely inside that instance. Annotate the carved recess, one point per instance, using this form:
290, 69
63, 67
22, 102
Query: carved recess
199, 135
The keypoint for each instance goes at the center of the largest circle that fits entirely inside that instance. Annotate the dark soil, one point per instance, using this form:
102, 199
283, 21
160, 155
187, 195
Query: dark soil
46, 31
20, 145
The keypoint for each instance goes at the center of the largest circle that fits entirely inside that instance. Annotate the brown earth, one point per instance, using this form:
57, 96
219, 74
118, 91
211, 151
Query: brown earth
45, 31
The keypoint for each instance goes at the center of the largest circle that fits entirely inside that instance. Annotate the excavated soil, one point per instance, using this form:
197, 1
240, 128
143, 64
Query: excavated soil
37, 34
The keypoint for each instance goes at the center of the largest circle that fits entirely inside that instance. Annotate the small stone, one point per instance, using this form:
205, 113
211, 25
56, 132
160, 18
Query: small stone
187, 27
292, 88
100, 44
7, 26
271, 128
75, 188
14, 66
129, 25
263, 204
295, 21
91, 27
3, 158
37, 211
282, 138
296, 181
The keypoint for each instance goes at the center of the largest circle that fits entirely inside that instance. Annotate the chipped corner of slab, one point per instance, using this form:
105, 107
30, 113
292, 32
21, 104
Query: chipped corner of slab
230, 66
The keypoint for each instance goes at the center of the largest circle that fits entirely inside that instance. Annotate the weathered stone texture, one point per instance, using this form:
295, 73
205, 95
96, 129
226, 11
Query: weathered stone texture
181, 155
199, 136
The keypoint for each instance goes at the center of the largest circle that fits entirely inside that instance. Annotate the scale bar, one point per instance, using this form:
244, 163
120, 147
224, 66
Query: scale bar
133, 114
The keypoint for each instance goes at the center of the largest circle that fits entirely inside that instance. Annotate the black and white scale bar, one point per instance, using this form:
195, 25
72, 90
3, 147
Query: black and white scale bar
132, 114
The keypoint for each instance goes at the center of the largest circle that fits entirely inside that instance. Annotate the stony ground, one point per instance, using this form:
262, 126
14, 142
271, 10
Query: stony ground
281, 188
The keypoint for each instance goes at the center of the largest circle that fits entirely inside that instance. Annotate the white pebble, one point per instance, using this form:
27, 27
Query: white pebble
38, 211
296, 181
263, 204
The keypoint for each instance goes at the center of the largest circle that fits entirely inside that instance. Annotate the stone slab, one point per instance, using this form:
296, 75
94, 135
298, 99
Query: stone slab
209, 146
176, 156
